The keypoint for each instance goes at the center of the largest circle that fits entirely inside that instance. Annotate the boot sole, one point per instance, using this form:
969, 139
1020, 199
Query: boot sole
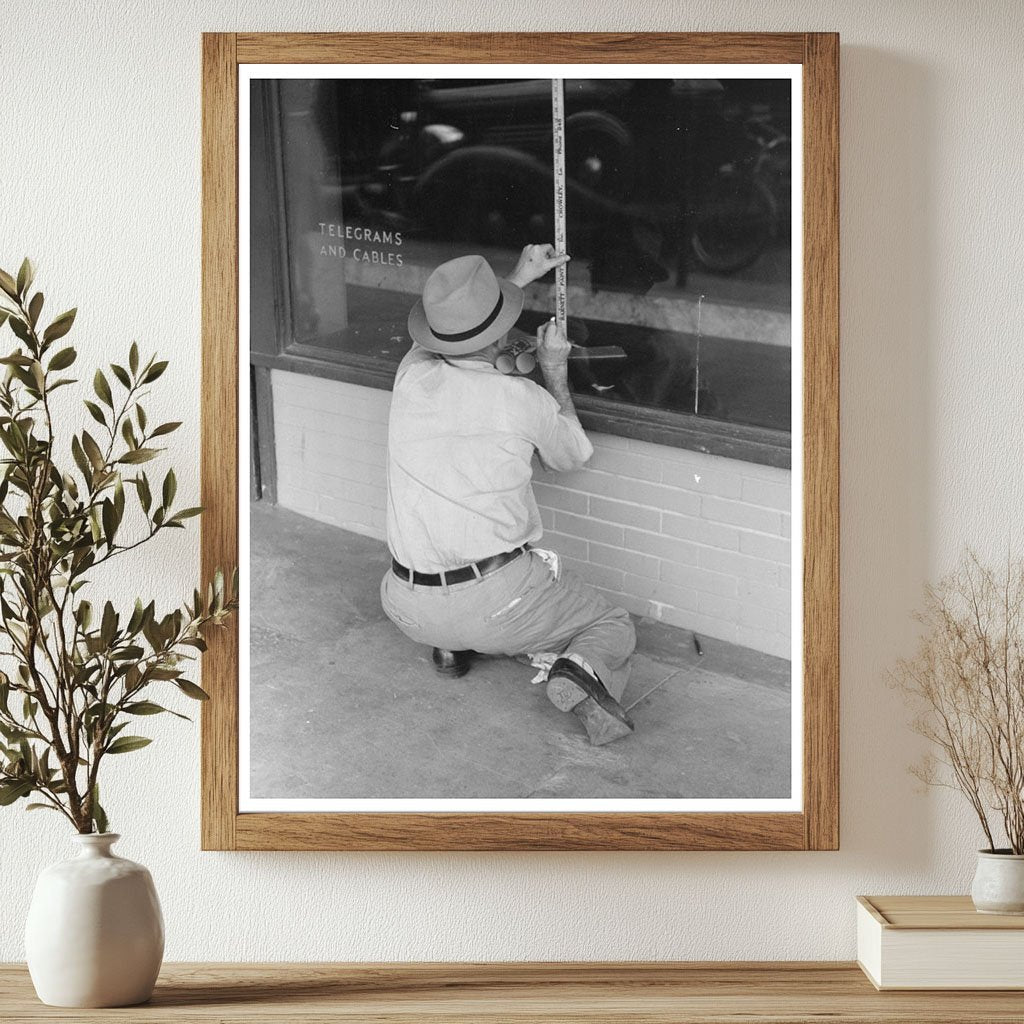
564, 693
602, 726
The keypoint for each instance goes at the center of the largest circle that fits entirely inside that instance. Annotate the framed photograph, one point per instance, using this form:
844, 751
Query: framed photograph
537, 553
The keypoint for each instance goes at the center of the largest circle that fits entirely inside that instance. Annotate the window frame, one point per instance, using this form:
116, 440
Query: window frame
281, 350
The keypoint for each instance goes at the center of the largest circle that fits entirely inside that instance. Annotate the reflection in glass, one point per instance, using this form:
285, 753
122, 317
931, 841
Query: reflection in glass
679, 211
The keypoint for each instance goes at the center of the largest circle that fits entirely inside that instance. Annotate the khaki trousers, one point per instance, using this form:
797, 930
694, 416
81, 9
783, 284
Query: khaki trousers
522, 608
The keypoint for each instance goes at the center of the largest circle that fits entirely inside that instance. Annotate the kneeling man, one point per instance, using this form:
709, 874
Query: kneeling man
461, 514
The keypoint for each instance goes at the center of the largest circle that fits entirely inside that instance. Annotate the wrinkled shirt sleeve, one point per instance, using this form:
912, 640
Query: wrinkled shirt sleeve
559, 439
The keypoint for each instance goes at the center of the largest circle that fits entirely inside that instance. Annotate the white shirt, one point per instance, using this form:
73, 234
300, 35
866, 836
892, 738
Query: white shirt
461, 437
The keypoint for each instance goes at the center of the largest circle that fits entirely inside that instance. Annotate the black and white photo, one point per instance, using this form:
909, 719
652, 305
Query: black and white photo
500, 558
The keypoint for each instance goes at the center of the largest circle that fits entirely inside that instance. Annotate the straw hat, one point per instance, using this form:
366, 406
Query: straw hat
464, 308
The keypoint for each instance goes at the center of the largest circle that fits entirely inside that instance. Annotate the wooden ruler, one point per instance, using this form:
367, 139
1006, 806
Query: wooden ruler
558, 163
561, 285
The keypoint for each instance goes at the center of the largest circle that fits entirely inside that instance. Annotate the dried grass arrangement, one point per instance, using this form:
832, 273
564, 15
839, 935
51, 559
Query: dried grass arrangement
967, 682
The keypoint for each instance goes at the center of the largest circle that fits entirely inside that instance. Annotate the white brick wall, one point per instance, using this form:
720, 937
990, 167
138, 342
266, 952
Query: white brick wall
695, 540
331, 442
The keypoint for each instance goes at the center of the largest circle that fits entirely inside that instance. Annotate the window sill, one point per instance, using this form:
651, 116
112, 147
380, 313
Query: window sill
760, 445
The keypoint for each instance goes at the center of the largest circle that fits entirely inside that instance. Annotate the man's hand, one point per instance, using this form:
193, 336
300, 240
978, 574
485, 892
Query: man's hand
534, 262
553, 355
553, 346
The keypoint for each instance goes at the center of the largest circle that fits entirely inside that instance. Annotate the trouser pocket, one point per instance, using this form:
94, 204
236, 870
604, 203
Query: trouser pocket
425, 617
401, 616
516, 597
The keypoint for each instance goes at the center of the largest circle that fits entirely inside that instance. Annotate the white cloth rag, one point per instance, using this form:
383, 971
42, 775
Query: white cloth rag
543, 660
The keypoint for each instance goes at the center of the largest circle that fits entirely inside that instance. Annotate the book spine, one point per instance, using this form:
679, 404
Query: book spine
869, 945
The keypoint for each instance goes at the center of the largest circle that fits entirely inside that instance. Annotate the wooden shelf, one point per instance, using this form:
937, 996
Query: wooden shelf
660, 993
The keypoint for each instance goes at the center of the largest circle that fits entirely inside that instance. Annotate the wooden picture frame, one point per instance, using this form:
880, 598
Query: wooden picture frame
816, 826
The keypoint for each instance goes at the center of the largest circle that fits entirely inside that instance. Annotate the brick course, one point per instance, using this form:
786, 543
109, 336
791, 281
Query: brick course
695, 540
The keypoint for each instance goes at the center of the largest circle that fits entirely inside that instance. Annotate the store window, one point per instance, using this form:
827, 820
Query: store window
678, 220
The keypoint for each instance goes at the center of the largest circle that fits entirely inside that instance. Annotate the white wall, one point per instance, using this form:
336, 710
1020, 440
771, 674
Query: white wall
99, 162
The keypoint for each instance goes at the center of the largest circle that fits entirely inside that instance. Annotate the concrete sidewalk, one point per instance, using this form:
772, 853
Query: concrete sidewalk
345, 707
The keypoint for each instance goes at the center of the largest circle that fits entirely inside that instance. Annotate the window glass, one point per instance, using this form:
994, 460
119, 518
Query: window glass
679, 207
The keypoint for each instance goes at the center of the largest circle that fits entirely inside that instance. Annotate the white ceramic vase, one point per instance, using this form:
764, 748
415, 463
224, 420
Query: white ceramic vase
95, 934
999, 883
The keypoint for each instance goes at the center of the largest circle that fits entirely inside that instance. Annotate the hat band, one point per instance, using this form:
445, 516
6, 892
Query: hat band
480, 327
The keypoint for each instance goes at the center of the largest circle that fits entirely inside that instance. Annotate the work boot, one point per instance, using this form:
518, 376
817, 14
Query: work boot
572, 688
451, 664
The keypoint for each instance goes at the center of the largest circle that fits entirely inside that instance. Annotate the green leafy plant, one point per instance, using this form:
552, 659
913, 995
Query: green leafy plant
76, 676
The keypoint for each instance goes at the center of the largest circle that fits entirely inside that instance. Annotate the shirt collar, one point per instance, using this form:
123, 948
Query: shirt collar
478, 365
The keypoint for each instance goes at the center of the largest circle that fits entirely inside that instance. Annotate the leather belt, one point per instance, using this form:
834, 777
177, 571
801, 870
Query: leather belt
460, 575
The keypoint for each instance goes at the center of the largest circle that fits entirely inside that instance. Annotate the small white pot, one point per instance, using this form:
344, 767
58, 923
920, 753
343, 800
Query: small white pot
95, 934
999, 883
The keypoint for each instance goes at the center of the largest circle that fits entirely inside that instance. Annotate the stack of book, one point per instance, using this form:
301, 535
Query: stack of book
938, 942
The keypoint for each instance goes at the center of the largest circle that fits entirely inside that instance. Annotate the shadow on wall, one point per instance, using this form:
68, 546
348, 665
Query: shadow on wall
888, 270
